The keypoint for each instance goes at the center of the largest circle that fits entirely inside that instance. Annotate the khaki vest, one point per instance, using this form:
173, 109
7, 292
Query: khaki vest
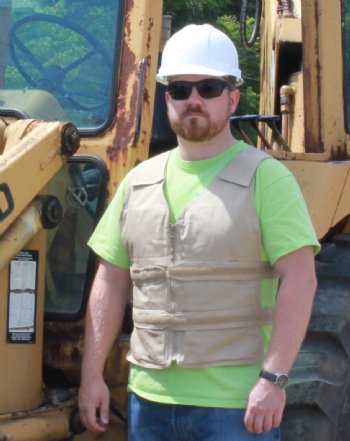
196, 293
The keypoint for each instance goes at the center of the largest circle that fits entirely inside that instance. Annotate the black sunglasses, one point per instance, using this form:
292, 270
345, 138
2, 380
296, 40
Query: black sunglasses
209, 88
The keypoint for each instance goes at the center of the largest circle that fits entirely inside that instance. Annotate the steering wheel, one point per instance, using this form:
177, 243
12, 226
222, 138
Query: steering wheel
53, 78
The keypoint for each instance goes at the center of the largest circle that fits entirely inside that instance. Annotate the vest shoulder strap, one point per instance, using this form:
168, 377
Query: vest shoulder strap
241, 169
151, 171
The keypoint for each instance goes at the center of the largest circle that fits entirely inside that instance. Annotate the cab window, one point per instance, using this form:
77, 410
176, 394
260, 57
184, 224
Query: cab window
70, 264
58, 59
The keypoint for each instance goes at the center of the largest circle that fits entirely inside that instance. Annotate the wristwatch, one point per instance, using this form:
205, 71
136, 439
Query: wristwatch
279, 380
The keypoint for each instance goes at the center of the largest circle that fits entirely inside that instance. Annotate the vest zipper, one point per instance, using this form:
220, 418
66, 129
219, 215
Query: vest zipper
172, 260
172, 242
174, 346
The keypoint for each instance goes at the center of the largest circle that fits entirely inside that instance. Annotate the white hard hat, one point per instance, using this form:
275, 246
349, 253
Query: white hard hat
199, 50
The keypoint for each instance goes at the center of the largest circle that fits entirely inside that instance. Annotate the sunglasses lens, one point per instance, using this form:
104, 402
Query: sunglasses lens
180, 90
211, 88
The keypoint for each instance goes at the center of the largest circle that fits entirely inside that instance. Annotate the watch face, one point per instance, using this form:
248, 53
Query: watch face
281, 381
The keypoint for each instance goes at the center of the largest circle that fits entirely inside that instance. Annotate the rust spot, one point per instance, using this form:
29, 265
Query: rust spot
29, 128
146, 97
126, 111
339, 153
311, 77
150, 26
63, 345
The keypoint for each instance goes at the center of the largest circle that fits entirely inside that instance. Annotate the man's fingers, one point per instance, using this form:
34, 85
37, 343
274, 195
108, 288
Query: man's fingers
94, 406
93, 420
268, 421
104, 412
253, 422
88, 417
260, 423
265, 408
277, 418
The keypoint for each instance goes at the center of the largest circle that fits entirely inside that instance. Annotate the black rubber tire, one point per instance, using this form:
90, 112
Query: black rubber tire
318, 403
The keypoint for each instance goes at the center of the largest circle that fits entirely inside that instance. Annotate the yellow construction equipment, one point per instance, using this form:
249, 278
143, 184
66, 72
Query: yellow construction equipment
78, 109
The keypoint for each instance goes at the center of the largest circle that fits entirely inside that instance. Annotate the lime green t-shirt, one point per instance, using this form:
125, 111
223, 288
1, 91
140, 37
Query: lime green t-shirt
285, 227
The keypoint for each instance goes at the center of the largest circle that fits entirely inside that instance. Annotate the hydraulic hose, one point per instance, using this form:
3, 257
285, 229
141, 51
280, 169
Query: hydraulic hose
248, 43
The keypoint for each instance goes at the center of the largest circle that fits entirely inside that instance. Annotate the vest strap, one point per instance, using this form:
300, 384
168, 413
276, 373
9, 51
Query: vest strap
202, 320
242, 170
205, 271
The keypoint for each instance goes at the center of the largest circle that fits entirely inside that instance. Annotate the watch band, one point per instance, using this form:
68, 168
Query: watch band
279, 380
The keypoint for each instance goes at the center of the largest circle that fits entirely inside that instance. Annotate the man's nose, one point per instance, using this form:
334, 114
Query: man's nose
194, 95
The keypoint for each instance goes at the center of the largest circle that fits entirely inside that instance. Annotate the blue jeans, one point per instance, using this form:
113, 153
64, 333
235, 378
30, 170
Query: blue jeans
150, 421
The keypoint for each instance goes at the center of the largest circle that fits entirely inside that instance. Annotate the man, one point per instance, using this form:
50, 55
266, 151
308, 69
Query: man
208, 233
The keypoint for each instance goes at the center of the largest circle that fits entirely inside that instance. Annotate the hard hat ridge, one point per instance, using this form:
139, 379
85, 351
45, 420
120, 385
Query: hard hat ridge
200, 50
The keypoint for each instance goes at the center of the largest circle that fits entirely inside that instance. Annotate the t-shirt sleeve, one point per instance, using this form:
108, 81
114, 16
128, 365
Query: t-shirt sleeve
284, 219
106, 240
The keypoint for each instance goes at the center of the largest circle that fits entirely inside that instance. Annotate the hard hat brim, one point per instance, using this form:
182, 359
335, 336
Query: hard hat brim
163, 75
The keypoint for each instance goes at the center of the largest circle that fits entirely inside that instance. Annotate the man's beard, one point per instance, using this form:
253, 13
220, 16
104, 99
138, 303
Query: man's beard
196, 125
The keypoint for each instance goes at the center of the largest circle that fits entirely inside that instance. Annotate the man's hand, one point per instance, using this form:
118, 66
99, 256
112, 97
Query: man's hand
104, 317
292, 312
265, 407
94, 405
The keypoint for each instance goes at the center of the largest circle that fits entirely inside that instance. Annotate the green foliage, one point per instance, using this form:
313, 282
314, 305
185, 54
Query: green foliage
249, 64
200, 11
195, 11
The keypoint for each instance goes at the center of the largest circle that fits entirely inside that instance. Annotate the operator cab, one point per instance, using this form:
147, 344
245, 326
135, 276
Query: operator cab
59, 61
56, 61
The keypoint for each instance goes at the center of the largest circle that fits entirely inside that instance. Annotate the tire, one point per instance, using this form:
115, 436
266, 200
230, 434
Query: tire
318, 398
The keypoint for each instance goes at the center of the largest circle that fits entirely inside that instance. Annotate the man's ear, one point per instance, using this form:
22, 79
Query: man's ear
234, 97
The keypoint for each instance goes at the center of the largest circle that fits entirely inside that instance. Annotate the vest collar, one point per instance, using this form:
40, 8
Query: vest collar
240, 170
151, 171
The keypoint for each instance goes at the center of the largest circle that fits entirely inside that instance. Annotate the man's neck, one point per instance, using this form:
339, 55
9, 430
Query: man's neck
194, 151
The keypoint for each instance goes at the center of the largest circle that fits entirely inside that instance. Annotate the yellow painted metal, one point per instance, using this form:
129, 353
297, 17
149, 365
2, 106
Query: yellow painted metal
323, 78
20, 232
313, 122
293, 124
21, 364
30, 150
325, 186
343, 208
310, 101
120, 147
52, 425
3, 126
33, 152
288, 30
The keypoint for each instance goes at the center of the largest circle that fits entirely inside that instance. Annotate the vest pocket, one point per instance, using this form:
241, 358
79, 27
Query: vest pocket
149, 347
158, 348
222, 347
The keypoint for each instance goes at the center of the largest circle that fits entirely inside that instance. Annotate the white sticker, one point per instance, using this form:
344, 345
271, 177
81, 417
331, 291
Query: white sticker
22, 298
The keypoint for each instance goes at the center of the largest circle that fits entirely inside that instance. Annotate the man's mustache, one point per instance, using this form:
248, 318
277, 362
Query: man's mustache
190, 110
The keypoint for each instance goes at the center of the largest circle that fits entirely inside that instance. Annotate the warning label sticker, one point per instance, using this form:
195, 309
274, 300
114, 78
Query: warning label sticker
22, 298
